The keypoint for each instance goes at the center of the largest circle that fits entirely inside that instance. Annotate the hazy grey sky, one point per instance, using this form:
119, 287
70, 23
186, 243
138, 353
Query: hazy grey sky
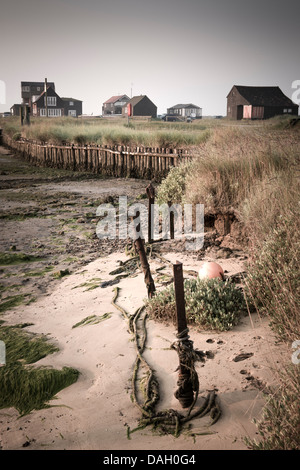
174, 51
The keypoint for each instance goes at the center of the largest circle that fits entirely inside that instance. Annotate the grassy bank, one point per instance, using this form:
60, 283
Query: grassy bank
254, 171
110, 131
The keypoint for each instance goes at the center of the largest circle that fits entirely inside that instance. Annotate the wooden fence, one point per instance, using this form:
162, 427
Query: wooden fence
117, 160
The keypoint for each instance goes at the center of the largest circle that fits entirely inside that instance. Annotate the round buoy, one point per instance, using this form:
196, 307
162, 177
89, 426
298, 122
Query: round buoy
210, 270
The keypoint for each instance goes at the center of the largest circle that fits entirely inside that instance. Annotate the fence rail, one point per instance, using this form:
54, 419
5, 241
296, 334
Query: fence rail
115, 160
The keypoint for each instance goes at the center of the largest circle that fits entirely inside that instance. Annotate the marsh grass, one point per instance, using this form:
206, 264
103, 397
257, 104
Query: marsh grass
254, 171
236, 164
109, 132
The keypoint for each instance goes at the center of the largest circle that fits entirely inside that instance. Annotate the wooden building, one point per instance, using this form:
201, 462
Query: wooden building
185, 111
114, 105
72, 107
48, 104
252, 102
140, 106
15, 109
30, 91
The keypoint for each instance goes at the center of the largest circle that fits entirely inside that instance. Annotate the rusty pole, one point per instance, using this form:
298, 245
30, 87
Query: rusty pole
184, 393
151, 197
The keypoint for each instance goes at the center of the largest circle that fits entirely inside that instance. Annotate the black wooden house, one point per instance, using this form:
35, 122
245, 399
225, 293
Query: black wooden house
258, 102
140, 106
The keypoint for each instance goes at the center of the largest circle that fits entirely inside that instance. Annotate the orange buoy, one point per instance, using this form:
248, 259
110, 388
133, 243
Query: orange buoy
210, 270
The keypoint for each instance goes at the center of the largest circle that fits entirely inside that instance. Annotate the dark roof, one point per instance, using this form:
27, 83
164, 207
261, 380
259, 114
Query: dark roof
136, 99
180, 106
49, 87
70, 99
41, 84
264, 95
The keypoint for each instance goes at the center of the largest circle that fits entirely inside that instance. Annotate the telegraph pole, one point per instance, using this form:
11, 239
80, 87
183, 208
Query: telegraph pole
46, 99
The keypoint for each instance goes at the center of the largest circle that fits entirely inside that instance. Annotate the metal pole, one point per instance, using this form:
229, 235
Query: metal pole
185, 392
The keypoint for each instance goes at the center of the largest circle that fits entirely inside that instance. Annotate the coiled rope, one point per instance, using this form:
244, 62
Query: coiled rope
169, 421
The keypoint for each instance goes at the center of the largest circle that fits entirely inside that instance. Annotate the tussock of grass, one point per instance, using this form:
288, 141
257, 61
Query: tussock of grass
210, 304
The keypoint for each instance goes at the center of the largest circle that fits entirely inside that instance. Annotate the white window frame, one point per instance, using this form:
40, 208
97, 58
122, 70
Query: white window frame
72, 112
43, 112
26, 88
54, 112
51, 100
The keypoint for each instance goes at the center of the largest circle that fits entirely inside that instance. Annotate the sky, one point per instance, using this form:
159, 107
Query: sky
173, 51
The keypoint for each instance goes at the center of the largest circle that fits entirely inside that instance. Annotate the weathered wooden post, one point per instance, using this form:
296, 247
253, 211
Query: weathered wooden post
186, 385
27, 115
151, 198
171, 221
22, 115
139, 246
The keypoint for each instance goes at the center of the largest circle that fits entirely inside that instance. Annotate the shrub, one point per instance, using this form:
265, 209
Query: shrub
211, 304
172, 187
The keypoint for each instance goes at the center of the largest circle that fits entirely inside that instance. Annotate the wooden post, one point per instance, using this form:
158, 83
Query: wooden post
185, 393
27, 115
140, 249
22, 112
151, 198
171, 222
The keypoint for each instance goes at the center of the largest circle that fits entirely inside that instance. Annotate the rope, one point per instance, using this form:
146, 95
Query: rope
169, 421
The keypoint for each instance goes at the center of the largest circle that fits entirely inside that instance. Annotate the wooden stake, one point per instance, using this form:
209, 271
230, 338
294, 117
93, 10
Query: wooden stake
184, 393
171, 222
151, 198
140, 249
